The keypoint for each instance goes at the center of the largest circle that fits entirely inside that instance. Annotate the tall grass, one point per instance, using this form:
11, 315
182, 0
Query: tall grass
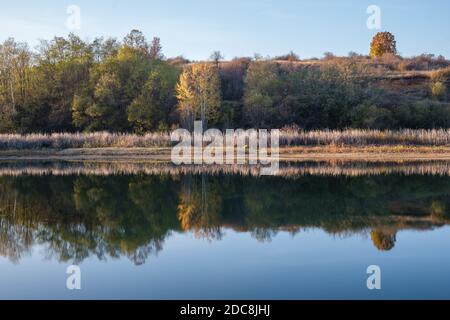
288, 137
362, 137
82, 140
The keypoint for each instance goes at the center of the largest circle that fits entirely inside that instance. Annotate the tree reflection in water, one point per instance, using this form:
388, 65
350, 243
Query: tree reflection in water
78, 216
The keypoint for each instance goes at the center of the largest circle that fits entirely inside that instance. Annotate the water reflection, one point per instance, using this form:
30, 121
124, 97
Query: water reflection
287, 169
111, 216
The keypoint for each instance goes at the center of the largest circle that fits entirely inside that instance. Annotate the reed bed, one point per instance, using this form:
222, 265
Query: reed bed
288, 137
82, 140
362, 137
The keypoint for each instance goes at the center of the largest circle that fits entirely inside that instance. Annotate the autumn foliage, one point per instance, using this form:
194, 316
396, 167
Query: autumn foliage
382, 43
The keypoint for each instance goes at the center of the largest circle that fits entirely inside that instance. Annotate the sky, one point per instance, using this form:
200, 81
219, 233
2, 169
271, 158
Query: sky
196, 28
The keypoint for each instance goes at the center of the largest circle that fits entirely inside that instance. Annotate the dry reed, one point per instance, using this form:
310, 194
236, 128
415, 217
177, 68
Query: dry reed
288, 137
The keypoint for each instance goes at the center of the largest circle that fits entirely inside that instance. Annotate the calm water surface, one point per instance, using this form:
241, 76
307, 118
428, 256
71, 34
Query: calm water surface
309, 233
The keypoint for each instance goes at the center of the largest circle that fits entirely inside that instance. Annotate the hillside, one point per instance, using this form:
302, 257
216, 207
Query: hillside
71, 85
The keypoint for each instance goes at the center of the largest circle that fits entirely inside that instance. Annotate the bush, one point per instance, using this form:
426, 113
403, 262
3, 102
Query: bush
423, 62
372, 117
438, 90
442, 75
391, 61
424, 114
291, 57
328, 56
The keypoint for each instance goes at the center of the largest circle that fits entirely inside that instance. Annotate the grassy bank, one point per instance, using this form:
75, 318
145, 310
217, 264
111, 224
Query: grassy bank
288, 138
295, 145
82, 140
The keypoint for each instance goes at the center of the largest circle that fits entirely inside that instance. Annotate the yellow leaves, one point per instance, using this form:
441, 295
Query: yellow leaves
185, 213
199, 87
382, 43
383, 240
184, 90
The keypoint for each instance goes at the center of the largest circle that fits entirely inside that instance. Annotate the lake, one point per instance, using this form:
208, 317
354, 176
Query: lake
154, 231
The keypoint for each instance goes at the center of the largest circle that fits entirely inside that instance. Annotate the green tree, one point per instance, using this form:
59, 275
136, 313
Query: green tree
136, 40
151, 109
262, 93
156, 49
216, 57
113, 85
103, 111
62, 72
104, 49
15, 66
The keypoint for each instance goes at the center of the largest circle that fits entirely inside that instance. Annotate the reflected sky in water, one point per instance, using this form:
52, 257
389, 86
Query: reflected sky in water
225, 236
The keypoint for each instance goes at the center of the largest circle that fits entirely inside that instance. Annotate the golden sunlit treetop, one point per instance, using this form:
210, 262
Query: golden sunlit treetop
382, 43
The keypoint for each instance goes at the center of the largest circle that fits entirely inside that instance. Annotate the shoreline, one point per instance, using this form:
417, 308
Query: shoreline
287, 154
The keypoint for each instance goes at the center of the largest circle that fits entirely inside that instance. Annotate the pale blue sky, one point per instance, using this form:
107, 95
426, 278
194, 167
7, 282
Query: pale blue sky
195, 28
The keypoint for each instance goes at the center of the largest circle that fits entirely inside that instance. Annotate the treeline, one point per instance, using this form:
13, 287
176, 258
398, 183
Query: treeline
69, 85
